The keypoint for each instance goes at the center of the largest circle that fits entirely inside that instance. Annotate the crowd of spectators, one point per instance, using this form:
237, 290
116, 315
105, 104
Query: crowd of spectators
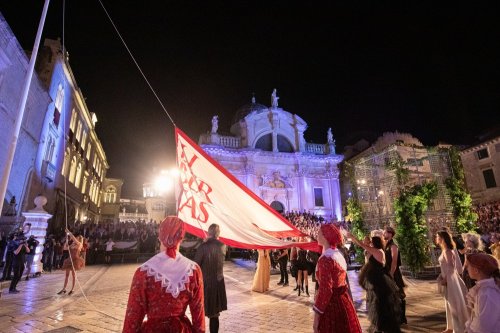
488, 217
99, 239
309, 223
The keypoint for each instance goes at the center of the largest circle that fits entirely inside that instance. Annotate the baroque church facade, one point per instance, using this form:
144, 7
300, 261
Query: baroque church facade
267, 152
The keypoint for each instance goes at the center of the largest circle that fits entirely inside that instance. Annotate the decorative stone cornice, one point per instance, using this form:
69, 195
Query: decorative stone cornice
481, 145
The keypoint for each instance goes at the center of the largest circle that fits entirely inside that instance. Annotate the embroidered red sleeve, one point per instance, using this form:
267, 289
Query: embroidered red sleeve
136, 308
196, 305
325, 282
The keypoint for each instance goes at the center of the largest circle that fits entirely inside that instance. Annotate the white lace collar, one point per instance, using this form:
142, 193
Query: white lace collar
173, 273
337, 256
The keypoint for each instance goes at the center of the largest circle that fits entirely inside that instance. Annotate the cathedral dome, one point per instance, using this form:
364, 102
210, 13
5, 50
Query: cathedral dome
246, 109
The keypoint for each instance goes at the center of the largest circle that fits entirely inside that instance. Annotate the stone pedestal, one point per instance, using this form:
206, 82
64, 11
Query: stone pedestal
38, 218
331, 148
214, 139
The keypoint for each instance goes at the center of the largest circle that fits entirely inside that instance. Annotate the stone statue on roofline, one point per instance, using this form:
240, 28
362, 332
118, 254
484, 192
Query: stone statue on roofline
274, 99
215, 124
329, 136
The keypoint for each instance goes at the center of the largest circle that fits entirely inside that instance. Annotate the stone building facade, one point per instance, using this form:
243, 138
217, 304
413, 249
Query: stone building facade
481, 164
25, 179
267, 152
71, 158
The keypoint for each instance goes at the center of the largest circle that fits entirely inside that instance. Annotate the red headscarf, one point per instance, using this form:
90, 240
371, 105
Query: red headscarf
171, 234
332, 235
482, 261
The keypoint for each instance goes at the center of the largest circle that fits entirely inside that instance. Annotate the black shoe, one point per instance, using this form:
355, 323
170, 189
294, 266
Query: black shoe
296, 288
280, 283
70, 292
285, 284
307, 290
62, 292
27, 278
15, 291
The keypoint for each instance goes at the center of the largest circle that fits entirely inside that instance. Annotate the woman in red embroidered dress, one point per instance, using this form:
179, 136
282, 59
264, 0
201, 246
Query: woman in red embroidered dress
164, 286
333, 307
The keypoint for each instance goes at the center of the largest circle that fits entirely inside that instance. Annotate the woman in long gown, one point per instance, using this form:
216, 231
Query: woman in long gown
453, 285
164, 286
74, 262
263, 272
382, 294
334, 311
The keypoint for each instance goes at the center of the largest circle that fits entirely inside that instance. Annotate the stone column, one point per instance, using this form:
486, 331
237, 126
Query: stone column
38, 218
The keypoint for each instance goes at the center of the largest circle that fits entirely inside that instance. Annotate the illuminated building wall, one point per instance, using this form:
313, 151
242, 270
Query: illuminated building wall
72, 160
482, 169
24, 181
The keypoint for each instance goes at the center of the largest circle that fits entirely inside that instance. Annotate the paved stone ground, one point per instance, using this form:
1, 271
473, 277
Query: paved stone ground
38, 309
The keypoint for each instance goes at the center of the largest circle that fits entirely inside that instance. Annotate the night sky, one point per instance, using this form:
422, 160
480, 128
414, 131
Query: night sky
362, 69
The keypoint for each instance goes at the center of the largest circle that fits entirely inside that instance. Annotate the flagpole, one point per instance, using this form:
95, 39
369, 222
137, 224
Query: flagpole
20, 114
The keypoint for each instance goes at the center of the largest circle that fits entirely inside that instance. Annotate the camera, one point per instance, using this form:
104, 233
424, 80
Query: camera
20, 237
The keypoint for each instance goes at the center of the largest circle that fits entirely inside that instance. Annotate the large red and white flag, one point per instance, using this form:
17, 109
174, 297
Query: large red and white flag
210, 194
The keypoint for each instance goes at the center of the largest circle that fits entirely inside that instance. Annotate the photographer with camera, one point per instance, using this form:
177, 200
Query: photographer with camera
32, 245
21, 248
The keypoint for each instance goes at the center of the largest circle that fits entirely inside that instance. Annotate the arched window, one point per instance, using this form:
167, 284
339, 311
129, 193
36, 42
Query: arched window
49, 149
284, 145
265, 142
72, 170
78, 175
64, 170
72, 124
89, 149
59, 97
84, 139
277, 206
110, 195
79, 131
84, 184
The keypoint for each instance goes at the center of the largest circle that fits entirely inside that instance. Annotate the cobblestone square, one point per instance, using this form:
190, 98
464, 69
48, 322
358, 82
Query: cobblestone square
39, 309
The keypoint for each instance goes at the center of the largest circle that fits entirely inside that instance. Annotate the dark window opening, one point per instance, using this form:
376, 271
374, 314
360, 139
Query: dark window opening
482, 154
278, 206
265, 143
284, 145
318, 197
57, 116
489, 178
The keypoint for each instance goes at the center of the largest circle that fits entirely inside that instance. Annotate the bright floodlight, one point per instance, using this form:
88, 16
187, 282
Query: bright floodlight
174, 172
163, 184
